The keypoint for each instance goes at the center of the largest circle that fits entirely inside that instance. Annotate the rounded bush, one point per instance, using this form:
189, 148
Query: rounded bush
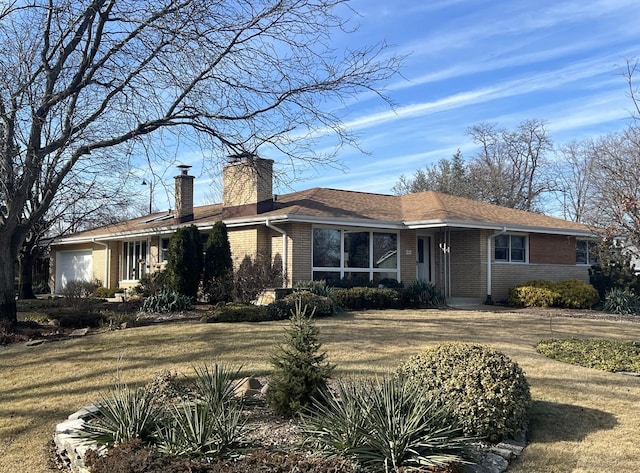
569, 293
485, 391
577, 294
323, 306
531, 296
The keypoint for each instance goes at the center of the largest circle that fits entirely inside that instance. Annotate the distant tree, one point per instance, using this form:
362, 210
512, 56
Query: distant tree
184, 261
512, 166
616, 182
574, 180
217, 274
447, 175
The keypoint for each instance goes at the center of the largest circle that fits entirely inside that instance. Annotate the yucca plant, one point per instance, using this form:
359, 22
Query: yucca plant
124, 414
385, 426
201, 430
336, 422
216, 384
621, 301
166, 302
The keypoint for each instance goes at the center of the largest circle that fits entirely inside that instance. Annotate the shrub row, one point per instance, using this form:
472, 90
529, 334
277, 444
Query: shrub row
279, 310
570, 294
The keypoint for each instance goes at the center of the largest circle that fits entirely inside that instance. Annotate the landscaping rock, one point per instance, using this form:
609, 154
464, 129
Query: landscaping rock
80, 332
248, 387
34, 343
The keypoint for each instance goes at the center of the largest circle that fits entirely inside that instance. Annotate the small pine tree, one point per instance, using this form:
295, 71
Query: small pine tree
217, 273
184, 261
300, 373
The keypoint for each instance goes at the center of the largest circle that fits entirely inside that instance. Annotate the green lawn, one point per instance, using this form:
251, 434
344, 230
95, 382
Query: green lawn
585, 420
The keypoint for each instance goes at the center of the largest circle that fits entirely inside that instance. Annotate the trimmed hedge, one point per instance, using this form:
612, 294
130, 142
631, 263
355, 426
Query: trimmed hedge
237, 312
283, 308
362, 298
569, 293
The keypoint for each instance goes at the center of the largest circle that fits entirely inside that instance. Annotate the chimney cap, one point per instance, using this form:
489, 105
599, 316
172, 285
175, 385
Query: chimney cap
184, 168
242, 156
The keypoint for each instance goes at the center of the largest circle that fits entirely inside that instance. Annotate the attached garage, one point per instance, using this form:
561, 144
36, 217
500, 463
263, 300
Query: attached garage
74, 265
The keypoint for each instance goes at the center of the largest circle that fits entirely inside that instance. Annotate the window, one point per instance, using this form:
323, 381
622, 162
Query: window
511, 248
134, 260
356, 255
164, 246
585, 252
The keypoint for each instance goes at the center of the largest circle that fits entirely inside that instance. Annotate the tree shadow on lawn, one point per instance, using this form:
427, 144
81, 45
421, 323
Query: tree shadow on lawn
555, 422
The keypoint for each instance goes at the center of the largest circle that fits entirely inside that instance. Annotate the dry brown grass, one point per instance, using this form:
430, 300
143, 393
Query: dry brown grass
584, 420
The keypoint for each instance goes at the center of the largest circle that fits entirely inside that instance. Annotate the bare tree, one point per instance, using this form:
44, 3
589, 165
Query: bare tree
81, 80
84, 201
616, 180
574, 180
510, 169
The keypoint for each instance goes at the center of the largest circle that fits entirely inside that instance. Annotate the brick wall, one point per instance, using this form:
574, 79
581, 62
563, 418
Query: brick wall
508, 275
552, 249
468, 273
243, 242
299, 252
246, 182
408, 255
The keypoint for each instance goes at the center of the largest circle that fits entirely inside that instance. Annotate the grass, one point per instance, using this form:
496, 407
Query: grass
584, 420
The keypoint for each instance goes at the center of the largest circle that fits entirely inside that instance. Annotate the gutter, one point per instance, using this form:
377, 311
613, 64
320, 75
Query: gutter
489, 281
106, 260
285, 250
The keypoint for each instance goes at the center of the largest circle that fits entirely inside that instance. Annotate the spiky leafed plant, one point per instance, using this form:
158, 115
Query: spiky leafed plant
123, 414
384, 426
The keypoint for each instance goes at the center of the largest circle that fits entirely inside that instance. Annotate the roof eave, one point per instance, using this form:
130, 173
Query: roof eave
440, 223
315, 220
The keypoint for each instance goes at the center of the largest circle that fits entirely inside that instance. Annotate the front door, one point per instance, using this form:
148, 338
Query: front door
424, 258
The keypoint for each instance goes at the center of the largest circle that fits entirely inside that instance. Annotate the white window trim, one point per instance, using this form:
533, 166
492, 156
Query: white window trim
124, 260
341, 270
509, 261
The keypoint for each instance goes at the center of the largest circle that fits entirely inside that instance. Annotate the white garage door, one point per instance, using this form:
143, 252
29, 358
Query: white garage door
73, 266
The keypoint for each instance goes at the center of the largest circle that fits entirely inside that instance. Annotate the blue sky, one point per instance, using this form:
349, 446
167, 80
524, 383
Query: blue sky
472, 61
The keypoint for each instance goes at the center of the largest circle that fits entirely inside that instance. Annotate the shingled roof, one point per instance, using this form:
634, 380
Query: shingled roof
419, 210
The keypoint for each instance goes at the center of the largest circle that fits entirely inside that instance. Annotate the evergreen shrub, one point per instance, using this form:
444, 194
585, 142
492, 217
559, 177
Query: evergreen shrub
362, 298
237, 312
300, 370
284, 308
486, 393
569, 293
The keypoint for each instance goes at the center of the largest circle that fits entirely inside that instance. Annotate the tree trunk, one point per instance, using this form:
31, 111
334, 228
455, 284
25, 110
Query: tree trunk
8, 310
25, 285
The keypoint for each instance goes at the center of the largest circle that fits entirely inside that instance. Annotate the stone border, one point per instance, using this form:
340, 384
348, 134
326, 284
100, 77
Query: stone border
71, 449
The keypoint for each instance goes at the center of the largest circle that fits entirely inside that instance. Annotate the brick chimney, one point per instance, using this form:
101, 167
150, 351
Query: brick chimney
247, 186
184, 195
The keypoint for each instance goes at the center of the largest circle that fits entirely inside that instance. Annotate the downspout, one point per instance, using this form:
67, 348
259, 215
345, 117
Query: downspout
285, 250
106, 260
489, 282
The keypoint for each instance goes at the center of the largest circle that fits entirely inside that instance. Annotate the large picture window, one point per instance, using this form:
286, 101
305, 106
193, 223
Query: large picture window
510, 248
357, 255
134, 260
